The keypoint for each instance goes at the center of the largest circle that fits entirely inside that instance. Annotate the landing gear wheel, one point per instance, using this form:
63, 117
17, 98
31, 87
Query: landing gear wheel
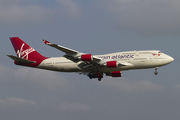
99, 79
155, 72
90, 75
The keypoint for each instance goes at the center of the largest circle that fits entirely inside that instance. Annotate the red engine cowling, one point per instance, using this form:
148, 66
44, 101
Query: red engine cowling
116, 74
112, 64
86, 57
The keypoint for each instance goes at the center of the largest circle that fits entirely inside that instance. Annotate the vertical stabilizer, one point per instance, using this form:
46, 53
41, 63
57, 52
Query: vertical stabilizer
24, 51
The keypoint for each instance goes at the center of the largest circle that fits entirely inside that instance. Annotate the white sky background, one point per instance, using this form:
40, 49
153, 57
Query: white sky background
97, 27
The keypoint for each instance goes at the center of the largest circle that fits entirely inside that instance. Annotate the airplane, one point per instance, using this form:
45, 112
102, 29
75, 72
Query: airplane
94, 66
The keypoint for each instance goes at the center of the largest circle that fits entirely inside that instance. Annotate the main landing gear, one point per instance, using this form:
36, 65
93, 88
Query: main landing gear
156, 72
96, 75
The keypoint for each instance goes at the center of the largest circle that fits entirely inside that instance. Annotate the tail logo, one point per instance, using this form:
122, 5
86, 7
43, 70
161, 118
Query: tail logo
24, 53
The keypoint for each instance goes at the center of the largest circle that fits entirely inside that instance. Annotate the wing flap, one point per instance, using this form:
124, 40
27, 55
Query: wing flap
17, 59
125, 64
86, 66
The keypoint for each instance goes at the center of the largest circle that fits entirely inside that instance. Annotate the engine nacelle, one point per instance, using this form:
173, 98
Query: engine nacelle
86, 57
112, 64
114, 74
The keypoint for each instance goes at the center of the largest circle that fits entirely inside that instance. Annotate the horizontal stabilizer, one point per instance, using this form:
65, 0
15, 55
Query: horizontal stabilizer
17, 59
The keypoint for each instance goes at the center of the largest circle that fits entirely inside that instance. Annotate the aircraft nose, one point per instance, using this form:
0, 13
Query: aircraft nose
171, 59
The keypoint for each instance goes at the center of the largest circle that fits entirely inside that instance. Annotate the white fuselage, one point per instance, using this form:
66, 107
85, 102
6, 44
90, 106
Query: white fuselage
136, 60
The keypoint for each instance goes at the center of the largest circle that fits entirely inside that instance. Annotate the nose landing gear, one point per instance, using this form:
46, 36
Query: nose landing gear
156, 72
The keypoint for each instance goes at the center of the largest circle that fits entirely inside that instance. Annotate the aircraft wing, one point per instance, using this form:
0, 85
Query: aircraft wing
71, 54
61, 48
88, 62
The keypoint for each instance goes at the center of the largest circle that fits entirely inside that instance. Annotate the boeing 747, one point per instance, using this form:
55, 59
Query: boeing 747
94, 66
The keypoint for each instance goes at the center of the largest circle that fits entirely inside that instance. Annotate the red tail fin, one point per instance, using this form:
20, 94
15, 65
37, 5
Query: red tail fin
23, 50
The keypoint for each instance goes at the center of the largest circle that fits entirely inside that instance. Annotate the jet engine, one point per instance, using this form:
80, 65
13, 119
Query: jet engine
112, 64
114, 74
86, 57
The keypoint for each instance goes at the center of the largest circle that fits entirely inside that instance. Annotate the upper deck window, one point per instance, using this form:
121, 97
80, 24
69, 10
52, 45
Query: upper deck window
144, 52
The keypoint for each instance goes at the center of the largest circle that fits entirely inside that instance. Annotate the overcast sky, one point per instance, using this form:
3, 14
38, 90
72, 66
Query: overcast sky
96, 27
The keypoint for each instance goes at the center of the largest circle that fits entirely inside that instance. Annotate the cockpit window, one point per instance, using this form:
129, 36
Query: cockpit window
159, 52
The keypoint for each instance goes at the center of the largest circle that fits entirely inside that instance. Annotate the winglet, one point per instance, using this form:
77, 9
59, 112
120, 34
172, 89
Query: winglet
46, 42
